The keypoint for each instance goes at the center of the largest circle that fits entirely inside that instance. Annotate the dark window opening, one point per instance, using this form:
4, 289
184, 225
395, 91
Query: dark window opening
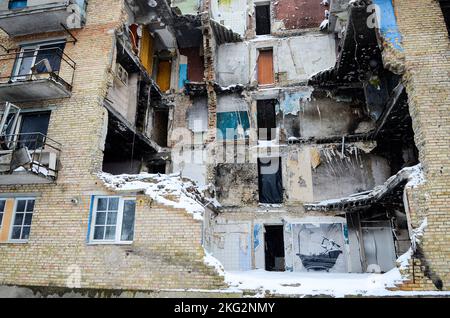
157, 167
48, 58
38, 59
445, 6
160, 126
270, 180
266, 117
118, 162
274, 248
123, 151
262, 13
33, 129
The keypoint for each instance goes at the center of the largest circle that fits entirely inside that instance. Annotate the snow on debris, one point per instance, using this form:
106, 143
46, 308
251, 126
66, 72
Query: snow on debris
416, 236
210, 260
413, 175
418, 233
262, 282
171, 190
416, 176
329, 69
295, 283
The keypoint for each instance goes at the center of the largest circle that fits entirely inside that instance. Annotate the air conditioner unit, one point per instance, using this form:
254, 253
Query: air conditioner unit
122, 74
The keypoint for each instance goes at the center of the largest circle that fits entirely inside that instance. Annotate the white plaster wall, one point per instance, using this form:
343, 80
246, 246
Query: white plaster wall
233, 64
325, 117
231, 245
232, 103
124, 97
298, 177
351, 175
191, 164
302, 56
232, 14
355, 255
295, 58
197, 115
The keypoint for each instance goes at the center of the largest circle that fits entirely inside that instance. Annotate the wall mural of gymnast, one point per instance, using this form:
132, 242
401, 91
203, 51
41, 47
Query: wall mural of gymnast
319, 247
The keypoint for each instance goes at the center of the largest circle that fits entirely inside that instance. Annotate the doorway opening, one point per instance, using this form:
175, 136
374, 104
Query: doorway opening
266, 119
262, 17
274, 248
160, 126
270, 183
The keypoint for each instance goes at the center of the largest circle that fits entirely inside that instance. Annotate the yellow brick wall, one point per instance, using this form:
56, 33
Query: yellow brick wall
167, 250
427, 76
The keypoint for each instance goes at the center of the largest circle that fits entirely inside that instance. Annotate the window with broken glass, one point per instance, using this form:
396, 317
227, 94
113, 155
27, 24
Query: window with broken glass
113, 220
23, 214
2, 211
38, 58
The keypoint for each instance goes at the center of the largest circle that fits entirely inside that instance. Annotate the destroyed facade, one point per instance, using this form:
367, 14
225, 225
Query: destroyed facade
315, 133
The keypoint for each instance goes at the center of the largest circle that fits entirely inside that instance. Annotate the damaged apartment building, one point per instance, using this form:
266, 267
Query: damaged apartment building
306, 125
331, 122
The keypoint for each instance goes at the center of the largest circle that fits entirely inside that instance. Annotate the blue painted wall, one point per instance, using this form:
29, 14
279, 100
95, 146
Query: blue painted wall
245, 260
183, 76
231, 120
388, 24
290, 103
256, 230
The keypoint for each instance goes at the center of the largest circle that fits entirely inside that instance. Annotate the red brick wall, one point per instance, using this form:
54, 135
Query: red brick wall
298, 14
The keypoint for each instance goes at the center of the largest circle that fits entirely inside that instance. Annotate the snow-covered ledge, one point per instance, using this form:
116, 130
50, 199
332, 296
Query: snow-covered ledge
413, 175
171, 190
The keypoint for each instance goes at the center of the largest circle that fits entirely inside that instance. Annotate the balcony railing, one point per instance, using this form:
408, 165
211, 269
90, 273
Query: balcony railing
33, 153
36, 63
36, 74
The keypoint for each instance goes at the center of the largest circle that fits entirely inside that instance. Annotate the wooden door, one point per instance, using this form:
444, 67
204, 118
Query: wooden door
265, 67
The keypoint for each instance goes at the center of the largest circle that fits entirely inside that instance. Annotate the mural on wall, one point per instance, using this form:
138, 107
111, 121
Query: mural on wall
319, 247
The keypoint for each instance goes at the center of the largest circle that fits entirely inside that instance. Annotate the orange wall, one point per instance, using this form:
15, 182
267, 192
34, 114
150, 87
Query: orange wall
6, 224
146, 53
164, 72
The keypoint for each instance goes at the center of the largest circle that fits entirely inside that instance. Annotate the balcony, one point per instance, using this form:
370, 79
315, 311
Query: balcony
35, 74
38, 16
30, 158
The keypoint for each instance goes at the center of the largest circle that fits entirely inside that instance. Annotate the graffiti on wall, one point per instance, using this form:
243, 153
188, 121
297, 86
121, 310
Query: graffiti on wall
319, 247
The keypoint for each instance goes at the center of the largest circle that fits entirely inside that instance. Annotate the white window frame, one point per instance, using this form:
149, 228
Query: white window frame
30, 47
16, 200
2, 212
9, 108
119, 221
